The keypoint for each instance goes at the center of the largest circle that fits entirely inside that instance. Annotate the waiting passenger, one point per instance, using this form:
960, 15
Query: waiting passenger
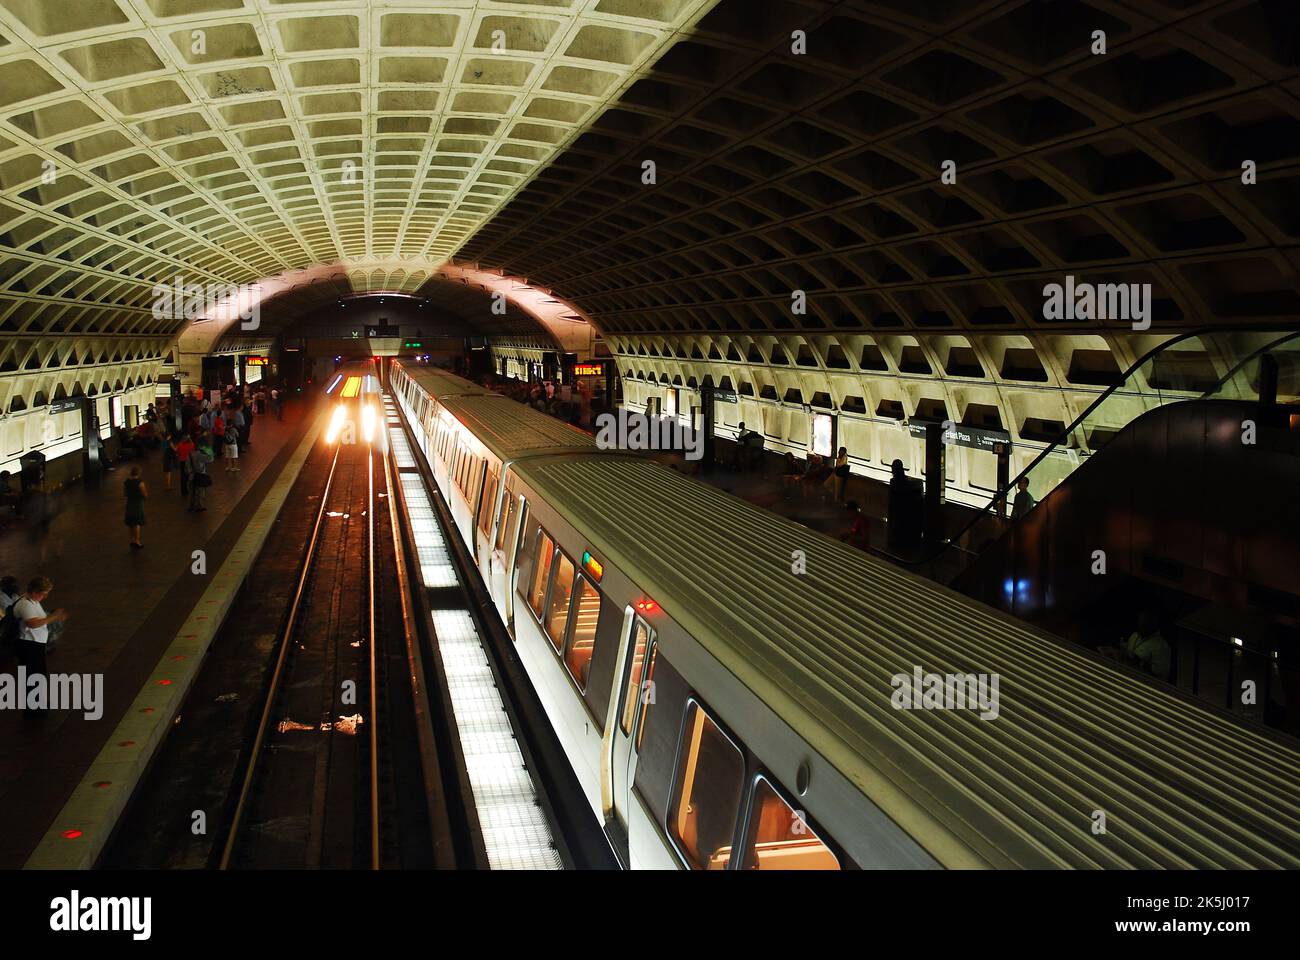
200, 480
1024, 501
232, 449
218, 433
9, 593
905, 509
36, 627
791, 474
9, 497
839, 477
184, 449
169, 461
1147, 648
136, 493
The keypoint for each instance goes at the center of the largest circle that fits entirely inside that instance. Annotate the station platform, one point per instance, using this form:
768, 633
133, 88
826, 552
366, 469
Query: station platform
125, 608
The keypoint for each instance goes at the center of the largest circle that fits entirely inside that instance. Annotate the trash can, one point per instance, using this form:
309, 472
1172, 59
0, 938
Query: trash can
32, 471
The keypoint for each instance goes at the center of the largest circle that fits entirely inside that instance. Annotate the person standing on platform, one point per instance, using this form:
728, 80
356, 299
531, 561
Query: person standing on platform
232, 449
277, 403
839, 477
218, 432
35, 626
169, 461
200, 480
136, 493
244, 421
183, 450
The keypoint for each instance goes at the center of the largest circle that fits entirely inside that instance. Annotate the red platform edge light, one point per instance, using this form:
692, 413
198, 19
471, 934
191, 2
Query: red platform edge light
71, 834
647, 605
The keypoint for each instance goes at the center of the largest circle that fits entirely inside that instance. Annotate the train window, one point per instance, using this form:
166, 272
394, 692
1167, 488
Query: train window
779, 837
487, 503
706, 792
557, 614
640, 640
648, 697
507, 518
541, 573
582, 644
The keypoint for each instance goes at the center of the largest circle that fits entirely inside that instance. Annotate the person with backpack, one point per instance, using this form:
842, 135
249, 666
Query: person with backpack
200, 479
183, 450
232, 449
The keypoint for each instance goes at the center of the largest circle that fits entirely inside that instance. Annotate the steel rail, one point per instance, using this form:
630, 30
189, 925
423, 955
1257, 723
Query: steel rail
286, 640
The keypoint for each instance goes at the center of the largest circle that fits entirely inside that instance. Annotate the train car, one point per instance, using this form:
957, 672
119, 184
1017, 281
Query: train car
729, 688
358, 403
470, 438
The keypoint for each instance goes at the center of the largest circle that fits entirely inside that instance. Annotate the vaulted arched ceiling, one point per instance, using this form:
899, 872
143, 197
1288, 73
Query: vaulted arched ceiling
683, 172
231, 140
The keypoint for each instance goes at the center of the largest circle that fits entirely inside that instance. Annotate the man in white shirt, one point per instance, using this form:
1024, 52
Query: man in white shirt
34, 629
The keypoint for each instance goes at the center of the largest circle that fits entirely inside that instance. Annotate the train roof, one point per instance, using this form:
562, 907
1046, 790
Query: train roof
508, 428
1181, 785
443, 383
512, 430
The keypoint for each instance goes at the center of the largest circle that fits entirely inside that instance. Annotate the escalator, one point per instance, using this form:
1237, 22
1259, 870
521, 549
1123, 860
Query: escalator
1178, 493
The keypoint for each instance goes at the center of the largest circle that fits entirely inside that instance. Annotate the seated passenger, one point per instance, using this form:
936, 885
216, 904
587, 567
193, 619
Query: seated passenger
1147, 649
791, 473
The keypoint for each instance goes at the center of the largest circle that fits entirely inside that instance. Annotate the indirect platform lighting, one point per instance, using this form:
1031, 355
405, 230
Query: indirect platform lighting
516, 831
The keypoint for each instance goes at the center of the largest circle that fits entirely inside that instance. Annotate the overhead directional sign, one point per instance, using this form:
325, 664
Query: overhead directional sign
978, 438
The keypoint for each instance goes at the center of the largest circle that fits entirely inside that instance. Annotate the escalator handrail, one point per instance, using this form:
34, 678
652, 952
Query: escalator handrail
1000, 497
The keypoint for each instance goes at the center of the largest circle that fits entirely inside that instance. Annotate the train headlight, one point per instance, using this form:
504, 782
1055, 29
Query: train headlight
368, 422
336, 423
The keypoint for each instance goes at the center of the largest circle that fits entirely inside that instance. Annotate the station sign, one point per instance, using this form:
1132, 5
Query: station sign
977, 438
64, 406
588, 369
725, 396
257, 361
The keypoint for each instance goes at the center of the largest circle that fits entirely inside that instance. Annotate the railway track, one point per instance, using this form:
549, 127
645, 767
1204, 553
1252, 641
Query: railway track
309, 794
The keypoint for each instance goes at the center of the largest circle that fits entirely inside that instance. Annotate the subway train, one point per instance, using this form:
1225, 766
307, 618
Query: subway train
358, 403
736, 691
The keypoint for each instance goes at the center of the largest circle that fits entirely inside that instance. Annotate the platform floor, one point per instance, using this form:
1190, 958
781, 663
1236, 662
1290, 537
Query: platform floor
125, 607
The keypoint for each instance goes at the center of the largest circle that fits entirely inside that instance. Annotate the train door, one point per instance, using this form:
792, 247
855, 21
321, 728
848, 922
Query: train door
487, 512
627, 713
503, 554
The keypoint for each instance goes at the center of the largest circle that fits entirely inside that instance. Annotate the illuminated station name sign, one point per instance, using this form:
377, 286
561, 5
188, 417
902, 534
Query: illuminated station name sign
588, 369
